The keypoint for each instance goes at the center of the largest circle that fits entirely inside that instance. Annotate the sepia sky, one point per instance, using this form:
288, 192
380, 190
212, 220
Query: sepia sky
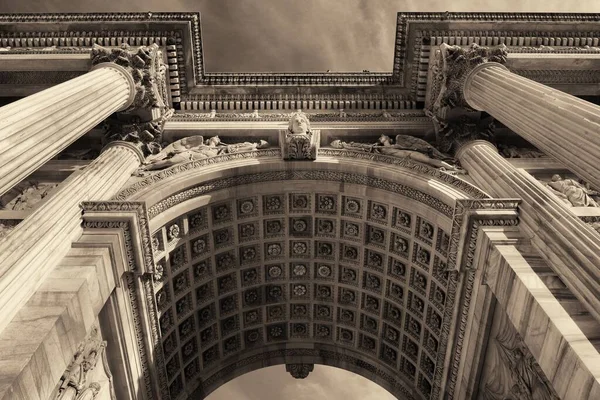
298, 35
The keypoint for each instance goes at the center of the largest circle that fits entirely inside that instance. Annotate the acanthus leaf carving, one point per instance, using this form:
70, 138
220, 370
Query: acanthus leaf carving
145, 66
454, 65
143, 121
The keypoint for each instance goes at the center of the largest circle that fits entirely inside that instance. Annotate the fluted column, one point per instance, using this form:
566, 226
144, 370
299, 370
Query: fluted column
38, 127
569, 245
38, 243
561, 125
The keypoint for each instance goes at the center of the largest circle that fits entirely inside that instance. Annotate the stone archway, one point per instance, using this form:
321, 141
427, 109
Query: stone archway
263, 262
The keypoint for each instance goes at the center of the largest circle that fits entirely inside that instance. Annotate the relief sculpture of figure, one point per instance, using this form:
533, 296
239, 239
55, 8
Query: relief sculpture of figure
194, 148
519, 152
405, 146
571, 191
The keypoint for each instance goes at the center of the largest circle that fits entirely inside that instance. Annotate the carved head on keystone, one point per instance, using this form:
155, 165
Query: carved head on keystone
299, 123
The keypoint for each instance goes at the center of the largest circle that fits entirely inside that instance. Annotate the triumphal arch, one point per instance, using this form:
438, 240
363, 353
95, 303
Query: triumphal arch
434, 229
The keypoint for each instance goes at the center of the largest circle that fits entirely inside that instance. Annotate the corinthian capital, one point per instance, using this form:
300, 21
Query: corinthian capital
146, 68
143, 121
449, 70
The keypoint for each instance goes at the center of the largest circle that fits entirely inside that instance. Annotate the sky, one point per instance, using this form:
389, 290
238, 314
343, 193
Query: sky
299, 35
324, 382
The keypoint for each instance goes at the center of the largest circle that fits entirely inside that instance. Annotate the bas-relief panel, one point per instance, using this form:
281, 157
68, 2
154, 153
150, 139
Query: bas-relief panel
88, 376
510, 372
25, 195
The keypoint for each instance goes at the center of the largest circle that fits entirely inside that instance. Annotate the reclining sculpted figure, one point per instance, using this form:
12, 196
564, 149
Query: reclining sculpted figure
195, 148
405, 146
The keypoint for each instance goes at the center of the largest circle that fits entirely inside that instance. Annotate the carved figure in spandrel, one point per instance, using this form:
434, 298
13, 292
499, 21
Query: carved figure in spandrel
576, 193
405, 146
416, 149
196, 148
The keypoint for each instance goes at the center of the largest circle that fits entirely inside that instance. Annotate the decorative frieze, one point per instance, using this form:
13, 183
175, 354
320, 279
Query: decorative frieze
332, 116
404, 146
560, 76
571, 192
193, 148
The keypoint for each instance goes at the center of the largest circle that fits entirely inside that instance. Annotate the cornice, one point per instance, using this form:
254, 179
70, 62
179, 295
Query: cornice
180, 34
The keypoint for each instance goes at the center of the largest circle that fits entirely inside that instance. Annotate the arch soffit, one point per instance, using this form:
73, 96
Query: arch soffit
373, 281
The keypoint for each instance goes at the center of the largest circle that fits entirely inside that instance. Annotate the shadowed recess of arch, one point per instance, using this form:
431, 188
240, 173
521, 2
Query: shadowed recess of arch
359, 270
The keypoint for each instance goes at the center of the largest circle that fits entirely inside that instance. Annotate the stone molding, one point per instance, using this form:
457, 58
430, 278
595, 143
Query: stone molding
131, 221
334, 116
129, 217
560, 76
469, 216
349, 178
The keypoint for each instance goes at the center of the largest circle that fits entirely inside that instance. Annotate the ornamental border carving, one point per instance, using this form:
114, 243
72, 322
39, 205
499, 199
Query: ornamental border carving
406, 163
97, 215
463, 214
248, 179
404, 20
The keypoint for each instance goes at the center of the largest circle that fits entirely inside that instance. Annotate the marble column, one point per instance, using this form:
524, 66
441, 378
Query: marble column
38, 127
561, 125
568, 245
38, 243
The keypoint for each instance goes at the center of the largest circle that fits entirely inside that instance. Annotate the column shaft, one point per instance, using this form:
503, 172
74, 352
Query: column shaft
38, 243
38, 127
569, 245
561, 125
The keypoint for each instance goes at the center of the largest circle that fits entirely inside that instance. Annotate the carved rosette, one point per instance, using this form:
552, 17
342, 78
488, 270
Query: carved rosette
299, 371
454, 64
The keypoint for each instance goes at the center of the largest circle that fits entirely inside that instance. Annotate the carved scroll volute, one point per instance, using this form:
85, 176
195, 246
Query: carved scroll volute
299, 142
